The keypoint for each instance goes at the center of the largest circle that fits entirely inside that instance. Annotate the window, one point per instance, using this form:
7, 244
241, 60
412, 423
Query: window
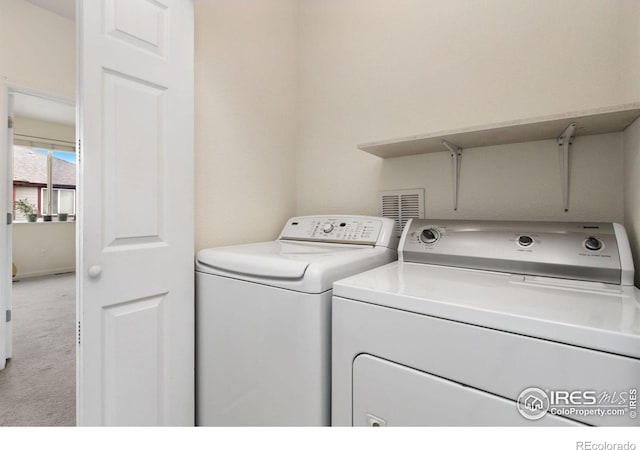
38, 171
64, 201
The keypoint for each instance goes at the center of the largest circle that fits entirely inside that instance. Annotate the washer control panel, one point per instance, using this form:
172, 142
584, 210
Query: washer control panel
363, 230
580, 251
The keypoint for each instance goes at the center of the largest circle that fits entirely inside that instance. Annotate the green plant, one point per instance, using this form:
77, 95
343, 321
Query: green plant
25, 207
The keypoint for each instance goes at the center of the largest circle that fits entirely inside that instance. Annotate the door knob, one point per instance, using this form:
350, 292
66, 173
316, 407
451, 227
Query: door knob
95, 271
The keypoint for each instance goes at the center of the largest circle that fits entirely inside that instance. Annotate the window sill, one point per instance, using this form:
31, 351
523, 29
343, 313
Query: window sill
24, 222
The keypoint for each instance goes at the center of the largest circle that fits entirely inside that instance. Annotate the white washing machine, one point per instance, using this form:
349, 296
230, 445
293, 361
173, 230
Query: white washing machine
263, 319
491, 323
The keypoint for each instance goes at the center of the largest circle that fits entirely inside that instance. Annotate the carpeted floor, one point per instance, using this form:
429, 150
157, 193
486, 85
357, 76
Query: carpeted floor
38, 386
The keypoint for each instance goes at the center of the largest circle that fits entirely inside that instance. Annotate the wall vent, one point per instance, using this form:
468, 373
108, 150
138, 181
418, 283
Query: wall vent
402, 205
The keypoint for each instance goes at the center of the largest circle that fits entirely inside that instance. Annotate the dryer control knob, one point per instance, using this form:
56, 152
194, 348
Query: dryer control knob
593, 244
327, 227
525, 241
430, 235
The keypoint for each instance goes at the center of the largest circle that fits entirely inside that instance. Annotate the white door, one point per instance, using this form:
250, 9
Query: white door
135, 247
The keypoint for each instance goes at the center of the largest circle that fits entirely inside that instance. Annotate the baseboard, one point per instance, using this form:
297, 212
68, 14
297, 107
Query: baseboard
44, 273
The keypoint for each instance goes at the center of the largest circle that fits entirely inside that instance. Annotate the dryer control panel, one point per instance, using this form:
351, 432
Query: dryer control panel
363, 230
570, 250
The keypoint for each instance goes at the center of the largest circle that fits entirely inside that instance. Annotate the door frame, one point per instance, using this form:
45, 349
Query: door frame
9, 88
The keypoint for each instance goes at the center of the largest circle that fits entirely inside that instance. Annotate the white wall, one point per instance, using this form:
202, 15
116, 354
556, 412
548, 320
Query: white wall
37, 48
44, 248
631, 71
384, 69
630, 47
518, 182
49, 130
632, 191
245, 119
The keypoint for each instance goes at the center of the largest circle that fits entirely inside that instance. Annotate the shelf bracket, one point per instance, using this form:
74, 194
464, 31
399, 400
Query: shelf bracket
565, 141
456, 159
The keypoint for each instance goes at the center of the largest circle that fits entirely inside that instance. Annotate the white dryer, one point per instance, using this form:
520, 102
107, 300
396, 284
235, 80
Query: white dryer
491, 323
263, 319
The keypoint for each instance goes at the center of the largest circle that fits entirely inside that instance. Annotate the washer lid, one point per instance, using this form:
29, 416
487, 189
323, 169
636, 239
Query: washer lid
274, 260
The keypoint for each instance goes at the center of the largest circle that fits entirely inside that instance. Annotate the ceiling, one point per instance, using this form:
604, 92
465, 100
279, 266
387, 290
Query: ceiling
65, 8
42, 109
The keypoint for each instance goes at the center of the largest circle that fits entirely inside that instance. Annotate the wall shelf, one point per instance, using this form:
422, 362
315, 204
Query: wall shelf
562, 127
588, 122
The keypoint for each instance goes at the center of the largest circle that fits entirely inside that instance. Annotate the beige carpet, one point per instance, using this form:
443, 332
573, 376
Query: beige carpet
38, 386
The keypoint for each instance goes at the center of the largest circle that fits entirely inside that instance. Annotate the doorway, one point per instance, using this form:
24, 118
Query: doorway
134, 72
38, 384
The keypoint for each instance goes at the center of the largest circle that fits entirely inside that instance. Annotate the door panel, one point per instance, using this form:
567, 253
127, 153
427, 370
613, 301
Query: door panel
136, 299
385, 393
142, 24
131, 330
133, 205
